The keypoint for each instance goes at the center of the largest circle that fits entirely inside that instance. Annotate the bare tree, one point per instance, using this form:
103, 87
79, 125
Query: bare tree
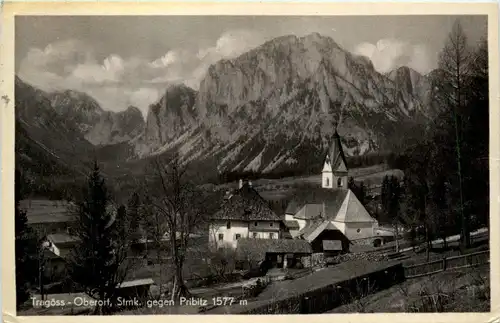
180, 209
454, 62
155, 227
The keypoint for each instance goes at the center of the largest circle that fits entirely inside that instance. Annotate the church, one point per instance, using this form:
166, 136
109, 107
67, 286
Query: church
330, 217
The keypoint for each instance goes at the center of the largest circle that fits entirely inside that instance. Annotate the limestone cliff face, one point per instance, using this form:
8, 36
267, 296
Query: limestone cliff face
113, 128
99, 127
77, 107
276, 106
273, 108
168, 119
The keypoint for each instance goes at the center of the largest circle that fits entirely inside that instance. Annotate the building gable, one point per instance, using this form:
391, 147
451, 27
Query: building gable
352, 211
341, 167
327, 166
246, 205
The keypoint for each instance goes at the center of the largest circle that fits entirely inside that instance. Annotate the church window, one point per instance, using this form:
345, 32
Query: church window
228, 225
339, 182
327, 182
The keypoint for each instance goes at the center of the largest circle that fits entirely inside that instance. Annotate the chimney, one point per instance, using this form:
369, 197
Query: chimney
241, 184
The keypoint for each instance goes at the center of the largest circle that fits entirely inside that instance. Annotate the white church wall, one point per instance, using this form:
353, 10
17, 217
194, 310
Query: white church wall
327, 180
358, 230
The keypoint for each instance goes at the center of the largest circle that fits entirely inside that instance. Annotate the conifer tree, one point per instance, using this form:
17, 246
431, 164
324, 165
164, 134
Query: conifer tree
98, 261
26, 249
391, 199
134, 217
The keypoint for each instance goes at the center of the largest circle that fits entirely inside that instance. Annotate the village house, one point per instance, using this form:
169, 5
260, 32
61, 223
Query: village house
330, 217
243, 214
274, 253
49, 217
61, 244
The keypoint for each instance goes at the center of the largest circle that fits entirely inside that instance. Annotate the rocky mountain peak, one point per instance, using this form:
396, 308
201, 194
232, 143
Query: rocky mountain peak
117, 127
79, 107
277, 105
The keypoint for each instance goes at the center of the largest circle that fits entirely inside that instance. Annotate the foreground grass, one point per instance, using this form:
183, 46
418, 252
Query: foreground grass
465, 290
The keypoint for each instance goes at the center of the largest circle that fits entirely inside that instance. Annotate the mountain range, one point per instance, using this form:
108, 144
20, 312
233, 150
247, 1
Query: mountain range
271, 109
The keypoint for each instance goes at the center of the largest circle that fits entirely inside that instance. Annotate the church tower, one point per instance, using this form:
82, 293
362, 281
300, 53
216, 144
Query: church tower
335, 173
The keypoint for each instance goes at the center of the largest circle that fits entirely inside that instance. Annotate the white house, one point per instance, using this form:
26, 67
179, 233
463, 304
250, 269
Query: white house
244, 214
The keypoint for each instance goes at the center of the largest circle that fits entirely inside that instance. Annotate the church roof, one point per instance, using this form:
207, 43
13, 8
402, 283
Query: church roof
326, 204
316, 201
247, 205
352, 211
335, 153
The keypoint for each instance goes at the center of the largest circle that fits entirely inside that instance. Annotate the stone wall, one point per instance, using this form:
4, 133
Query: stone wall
364, 242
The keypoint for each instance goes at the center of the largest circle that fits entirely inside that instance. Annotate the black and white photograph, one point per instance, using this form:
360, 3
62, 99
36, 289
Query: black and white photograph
251, 164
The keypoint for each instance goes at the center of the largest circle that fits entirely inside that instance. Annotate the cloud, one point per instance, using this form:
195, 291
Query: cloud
118, 82
388, 54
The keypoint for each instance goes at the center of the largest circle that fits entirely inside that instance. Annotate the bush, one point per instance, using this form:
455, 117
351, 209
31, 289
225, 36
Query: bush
255, 289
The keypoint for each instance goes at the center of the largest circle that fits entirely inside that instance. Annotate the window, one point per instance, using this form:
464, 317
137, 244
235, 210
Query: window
271, 224
228, 225
255, 224
358, 231
271, 235
255, 235
221, 236
339, 182
237, 236
327, 182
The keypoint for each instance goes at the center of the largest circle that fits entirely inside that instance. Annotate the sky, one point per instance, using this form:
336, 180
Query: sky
130, 60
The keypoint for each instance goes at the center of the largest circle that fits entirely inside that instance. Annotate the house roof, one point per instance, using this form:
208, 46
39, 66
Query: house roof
314, 198
314, 229
48, 211
310, 211
310, 228
136, 282
256, 249
49, 255
61, 239
246, 204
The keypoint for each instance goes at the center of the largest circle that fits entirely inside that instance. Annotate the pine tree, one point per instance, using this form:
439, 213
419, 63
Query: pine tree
26, 248
476, 139
391, 199
134, 217
97, 263
357, 189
